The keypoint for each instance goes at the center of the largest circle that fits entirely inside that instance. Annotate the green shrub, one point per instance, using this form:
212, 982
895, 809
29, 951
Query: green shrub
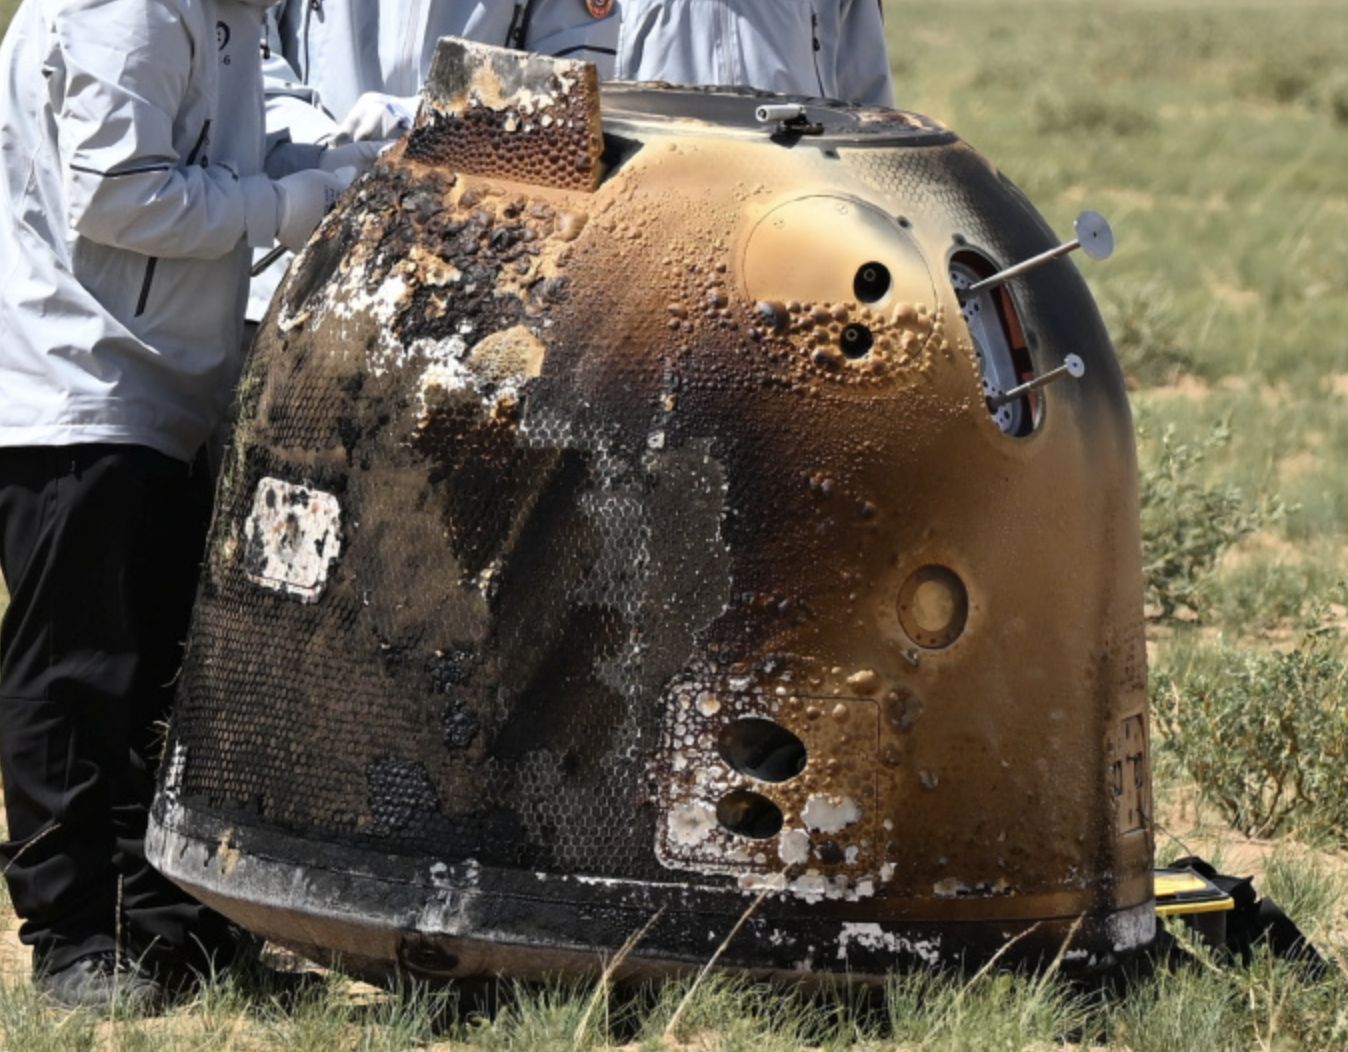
1336, 98
1187, 524
1284, 78
1090, 115
1263, 734
1145, 329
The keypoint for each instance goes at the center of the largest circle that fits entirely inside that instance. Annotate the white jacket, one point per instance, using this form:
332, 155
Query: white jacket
126, 192
340, 49
829, 48
325, 54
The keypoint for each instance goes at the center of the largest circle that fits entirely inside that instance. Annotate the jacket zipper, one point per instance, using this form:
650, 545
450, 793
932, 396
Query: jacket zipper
518, 33
310, 9
145, 284
152, 263
817, 47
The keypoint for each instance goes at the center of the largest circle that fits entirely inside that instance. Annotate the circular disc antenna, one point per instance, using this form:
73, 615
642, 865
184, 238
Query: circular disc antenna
1095, 235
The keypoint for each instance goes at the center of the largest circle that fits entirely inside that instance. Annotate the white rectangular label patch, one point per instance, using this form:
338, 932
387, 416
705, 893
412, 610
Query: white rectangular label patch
291, 538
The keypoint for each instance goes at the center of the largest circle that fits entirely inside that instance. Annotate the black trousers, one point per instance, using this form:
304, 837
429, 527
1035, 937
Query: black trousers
100, 547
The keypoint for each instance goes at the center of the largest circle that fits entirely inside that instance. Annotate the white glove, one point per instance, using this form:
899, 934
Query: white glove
376, 116
357, 155
303, 199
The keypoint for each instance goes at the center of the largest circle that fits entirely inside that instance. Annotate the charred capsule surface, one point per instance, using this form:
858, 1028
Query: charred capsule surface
590, 548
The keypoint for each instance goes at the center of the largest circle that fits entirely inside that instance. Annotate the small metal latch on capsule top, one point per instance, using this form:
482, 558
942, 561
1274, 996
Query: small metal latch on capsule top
788, 118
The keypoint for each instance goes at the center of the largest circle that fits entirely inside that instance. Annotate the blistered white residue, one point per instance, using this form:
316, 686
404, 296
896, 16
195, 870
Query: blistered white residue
886, 872
1132, 929
451, 365
388, 298
173, 775
383, 306
827, 814
873, 937
524, 100
291, 537
348, 299
810, 887
447, 376
762, 881
450, 349
691, 823
813, 887
794, 847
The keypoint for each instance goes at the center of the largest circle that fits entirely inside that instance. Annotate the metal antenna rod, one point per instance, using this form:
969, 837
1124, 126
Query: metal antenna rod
1094, 237
1071, 366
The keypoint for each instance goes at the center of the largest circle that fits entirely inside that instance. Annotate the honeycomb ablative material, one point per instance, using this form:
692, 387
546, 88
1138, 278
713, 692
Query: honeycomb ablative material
594, 553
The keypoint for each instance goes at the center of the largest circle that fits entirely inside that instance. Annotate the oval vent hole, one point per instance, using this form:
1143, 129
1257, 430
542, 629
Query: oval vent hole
749, 814
762, 749
871, 282
856, 341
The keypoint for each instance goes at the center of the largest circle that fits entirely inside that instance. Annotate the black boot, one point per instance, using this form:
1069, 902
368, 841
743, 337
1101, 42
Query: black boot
99, 981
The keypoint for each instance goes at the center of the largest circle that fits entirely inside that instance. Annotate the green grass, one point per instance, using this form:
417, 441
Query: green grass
1199, 1008
1214, 134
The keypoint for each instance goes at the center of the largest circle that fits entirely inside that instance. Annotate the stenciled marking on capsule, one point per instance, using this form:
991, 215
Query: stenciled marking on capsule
291, 538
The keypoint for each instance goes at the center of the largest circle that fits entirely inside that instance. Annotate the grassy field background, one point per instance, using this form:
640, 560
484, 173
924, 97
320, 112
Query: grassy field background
1214, 134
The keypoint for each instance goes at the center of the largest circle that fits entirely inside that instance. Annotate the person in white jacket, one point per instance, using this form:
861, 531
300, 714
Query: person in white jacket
833, 49
131, 187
